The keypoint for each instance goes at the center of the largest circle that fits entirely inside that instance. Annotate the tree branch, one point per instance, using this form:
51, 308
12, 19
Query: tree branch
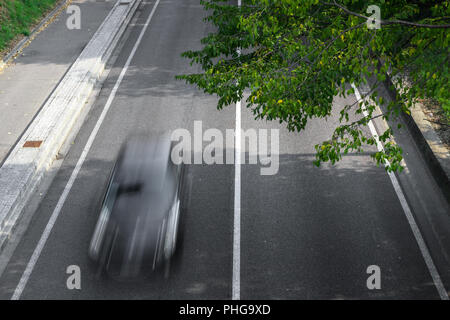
387, 22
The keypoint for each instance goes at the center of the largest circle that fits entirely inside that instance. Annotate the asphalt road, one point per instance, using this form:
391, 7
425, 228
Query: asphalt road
305, 232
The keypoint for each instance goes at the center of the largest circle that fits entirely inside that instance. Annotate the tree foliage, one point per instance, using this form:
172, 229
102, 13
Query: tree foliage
295, 56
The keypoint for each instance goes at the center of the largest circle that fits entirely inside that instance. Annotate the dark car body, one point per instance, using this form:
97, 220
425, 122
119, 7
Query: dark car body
137, 229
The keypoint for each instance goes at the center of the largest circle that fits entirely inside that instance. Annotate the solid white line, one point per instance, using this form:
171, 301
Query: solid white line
37, 251
412, 222
236, 286
236, 292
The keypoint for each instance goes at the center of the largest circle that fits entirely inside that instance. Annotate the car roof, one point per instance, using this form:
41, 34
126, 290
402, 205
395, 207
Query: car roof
145, 177
145, 157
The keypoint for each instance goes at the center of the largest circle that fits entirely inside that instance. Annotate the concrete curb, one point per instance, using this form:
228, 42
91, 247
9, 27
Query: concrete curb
428, 141
49, 18
26, 165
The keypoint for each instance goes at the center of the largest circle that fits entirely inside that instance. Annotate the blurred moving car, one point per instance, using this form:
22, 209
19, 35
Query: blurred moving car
137, 229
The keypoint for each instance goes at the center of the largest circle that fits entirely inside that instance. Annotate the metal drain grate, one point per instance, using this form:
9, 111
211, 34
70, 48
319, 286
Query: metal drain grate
32, 144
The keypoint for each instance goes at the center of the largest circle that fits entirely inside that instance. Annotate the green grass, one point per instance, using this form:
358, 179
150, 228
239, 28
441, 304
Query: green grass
18, 16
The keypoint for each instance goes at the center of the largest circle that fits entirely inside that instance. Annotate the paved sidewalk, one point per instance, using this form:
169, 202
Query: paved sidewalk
27, 83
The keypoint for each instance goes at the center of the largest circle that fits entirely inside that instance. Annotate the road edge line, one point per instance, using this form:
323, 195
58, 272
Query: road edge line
406, 209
